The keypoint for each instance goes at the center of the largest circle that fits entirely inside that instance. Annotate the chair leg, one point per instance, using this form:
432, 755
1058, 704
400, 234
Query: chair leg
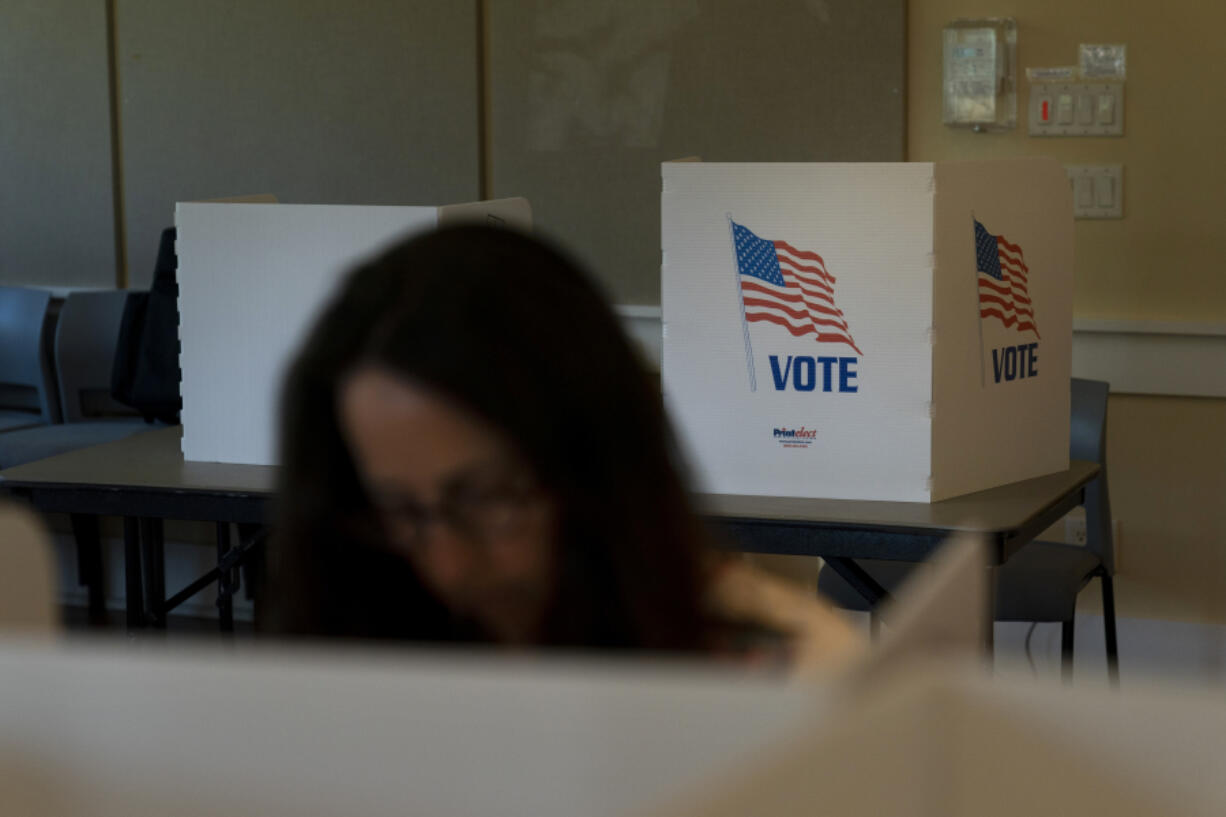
90, 571
1066, 649
153, 554
1113, 653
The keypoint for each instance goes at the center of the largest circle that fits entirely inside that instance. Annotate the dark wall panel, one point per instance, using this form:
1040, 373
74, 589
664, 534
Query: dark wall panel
311, 100
57, 224
587, 98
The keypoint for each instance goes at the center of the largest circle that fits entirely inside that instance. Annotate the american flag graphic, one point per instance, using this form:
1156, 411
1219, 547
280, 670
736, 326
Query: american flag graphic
1003, 273
789, 287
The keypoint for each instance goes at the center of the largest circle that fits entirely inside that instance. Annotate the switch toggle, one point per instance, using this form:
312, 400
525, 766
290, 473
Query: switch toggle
1085, 109
1105, 113
1083, 191
1104, 191
1045, 110
1064, 109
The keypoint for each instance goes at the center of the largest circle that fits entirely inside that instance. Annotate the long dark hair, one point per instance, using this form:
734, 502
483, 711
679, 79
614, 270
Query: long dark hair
510, 328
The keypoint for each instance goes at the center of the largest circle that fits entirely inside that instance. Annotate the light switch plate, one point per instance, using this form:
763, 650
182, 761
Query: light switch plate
1089, 182
1093, 109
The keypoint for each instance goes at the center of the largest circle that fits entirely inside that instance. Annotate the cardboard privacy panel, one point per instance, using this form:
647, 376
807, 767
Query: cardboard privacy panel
251, 279
868, 331
948, 740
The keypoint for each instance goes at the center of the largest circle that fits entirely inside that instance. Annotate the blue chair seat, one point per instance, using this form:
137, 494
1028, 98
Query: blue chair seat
1042, 580
11, 418
40, 442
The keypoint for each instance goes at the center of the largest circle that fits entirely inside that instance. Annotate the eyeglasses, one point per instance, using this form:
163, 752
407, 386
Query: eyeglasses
479, 511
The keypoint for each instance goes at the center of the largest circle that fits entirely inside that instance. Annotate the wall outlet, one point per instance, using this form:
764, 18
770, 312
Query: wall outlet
1074, 533
1075, 529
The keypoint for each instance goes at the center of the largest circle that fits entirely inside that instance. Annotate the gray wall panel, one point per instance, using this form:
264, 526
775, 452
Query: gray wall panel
587, 97
56, 220
312, 100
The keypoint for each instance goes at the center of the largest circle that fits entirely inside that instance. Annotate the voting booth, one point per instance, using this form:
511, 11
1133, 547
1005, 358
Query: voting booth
953, 741
868, 331
252, 278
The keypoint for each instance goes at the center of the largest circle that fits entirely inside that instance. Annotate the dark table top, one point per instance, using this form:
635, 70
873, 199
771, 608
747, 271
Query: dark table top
145, 476
151, 464
1006, 507
149, 460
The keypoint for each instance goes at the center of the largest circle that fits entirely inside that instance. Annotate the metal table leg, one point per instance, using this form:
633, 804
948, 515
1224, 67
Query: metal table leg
90, 572
230, 560
859, 578
133, 579
250, 538
225, 583
154, 552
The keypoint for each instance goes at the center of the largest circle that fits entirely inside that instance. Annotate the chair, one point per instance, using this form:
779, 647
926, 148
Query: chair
1042, 580
85, 340
85, 343
27, 394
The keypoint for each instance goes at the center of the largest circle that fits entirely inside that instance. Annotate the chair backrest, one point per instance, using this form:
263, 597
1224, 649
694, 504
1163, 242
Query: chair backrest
85, 340
1088, 441
26, 382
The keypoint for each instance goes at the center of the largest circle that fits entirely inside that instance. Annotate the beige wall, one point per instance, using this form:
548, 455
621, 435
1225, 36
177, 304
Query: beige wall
1168, 491
1160, 262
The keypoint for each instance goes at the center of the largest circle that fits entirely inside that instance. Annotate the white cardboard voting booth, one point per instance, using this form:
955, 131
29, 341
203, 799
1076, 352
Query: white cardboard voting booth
951, 741
251, 280
868, 331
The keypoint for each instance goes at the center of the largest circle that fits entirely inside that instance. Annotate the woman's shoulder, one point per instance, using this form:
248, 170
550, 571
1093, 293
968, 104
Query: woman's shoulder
809, 635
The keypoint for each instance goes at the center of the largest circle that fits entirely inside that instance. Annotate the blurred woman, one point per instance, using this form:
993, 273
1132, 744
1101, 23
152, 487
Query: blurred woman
473, 452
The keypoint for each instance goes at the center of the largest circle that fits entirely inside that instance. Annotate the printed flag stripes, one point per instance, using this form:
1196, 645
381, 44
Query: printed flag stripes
1003, 276
788, 287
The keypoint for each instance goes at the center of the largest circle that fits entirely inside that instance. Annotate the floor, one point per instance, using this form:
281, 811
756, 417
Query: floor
76, 620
